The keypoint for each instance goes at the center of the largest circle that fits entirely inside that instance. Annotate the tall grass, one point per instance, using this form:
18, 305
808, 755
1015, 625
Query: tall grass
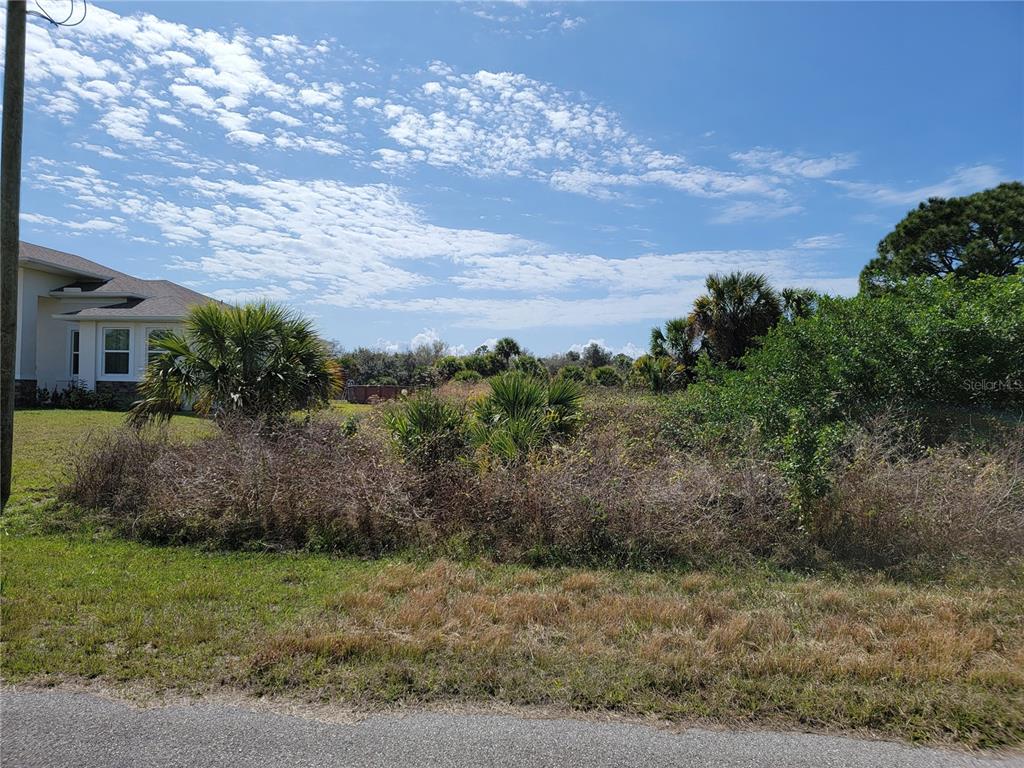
616, 494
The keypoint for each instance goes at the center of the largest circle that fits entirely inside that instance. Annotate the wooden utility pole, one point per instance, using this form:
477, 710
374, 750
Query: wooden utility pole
10, 236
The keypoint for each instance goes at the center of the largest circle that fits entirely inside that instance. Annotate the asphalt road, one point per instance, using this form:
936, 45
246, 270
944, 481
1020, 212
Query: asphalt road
58, 728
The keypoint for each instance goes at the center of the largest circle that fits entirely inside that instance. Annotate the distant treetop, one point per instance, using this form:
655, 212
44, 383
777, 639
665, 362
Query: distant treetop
980, 234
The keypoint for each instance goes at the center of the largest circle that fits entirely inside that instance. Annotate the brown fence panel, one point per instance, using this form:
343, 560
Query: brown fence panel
367, 393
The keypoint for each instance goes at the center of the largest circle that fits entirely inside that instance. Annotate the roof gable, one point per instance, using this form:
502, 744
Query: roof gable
147, 299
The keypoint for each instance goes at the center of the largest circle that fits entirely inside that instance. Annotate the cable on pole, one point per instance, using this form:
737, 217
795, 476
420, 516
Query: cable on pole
42, 13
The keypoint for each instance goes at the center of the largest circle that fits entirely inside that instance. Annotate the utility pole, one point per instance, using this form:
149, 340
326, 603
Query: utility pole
10, 236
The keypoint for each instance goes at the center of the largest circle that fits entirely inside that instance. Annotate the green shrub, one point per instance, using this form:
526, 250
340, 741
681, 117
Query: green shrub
449, 366
427, 429
929, 343
467, 376
606, 376
77, 397
573, 373
657, 374
523, 413
529, 365
486, 363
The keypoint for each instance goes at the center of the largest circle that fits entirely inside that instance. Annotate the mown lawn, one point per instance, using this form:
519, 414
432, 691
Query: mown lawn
938, 662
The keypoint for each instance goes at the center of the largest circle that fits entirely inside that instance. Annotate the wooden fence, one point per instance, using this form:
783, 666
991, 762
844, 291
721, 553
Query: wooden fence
371, 393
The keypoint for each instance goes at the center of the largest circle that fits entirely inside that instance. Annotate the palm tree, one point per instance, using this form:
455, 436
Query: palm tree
798, 302
737, 308
256, 361
658, 374
522, 413
507, 348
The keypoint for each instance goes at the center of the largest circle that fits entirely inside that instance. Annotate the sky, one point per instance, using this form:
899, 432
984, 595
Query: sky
560, 173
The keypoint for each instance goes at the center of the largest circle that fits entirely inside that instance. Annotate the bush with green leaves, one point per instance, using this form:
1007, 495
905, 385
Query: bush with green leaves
529, 365
573, 373
77, 397
427, 429
485, 363
657, 374
606, 376
522, 414
448, 366
258, 361
932, 342
467, 376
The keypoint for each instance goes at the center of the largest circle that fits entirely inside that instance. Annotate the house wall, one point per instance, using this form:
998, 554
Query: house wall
53, 341
91, 351
137, 356
32, 283
43, 344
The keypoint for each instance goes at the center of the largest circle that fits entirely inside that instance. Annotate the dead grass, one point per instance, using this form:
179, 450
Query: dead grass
937, 661
935, 664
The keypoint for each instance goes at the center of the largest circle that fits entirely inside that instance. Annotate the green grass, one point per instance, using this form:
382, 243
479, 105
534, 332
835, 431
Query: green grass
345, 409
938, 662
45, 439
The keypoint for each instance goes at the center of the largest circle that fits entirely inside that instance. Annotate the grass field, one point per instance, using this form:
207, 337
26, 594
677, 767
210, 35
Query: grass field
936, 662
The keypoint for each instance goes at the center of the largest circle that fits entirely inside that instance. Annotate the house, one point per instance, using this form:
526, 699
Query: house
83, 324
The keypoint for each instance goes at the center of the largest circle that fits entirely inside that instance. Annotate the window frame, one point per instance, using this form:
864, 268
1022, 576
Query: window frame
74, 355
104, 352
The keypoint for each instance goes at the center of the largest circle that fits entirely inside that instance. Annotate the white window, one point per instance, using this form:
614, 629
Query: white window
152, 335
116, 351
73, 363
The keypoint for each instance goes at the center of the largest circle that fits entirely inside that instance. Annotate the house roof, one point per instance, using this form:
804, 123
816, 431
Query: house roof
141, 299
59, 261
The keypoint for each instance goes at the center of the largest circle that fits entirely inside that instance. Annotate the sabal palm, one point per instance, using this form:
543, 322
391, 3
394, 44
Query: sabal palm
658, 374
798, 302
522, 413
258, 360
735, 310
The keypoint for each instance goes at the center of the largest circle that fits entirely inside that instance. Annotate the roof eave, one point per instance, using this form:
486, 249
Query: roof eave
76, 318
43, 266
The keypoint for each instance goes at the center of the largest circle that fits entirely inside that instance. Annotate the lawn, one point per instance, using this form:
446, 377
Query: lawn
937, 662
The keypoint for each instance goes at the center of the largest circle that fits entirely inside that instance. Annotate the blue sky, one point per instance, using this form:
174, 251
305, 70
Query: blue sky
556, 172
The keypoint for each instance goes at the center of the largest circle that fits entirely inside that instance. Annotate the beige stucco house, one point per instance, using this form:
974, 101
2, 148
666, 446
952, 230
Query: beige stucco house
80, 323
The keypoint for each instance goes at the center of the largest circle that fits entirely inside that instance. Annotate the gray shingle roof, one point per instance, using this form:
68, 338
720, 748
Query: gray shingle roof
65, 262
146, 299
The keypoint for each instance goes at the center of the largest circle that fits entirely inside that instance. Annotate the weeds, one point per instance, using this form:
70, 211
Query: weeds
617, 494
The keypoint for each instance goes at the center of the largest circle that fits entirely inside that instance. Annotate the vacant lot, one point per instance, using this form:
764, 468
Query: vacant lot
940, 662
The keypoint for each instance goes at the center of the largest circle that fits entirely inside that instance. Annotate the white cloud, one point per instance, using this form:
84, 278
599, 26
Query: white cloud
284, 119
327, 95
123, 67
749, 210
252, 138
242, 232
241, 295
425, 338
170, 120
490, 123
961, 182
795, 165
74, 226
559, 273
193, 96
820, 242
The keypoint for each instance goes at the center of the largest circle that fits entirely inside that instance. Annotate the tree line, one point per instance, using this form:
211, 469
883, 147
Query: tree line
222, 360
